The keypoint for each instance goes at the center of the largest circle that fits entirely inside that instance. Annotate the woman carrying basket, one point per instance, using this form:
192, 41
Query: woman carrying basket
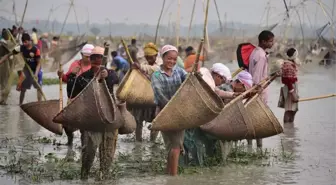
289, 92
165, 82
76, 68
146, 114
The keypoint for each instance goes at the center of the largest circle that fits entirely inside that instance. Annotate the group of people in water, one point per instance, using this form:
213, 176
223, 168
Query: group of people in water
167, 71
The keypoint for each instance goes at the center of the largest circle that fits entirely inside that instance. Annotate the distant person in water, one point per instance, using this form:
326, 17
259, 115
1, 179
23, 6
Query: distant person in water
191, 57
133, 49
121, 65
32, 56
258, 65
289, 92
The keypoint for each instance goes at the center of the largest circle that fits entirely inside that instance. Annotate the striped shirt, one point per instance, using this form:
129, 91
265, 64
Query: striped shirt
165, 86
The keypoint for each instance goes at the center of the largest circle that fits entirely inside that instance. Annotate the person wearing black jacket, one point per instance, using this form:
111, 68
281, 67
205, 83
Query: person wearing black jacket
91, 140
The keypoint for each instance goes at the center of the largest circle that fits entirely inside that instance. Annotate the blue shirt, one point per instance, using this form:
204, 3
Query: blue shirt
165, 86
121, 63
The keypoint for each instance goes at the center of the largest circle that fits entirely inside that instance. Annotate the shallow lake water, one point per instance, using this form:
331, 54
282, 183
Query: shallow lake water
311, 140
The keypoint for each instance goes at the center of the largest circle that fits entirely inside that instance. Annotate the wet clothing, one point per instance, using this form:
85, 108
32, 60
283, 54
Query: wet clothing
258, 68
106, 141
286, 98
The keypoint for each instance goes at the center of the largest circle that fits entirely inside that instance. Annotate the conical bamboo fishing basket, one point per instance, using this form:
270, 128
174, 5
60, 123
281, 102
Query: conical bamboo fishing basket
129, 123
193, 105
264, 122
43, 112
232, 123
136, 90
92, 110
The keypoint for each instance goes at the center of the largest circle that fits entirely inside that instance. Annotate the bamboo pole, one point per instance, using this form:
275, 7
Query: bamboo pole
158, 24
24, 13
205, 30
219, 19
14, 12
191, 19
200, 47
65, 20
73, 8
177, 28
60, 89
317, 97
130, 60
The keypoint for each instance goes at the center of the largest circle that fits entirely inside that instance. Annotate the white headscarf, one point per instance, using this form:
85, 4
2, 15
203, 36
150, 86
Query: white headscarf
245, 78
87, 49
222, 70
167, 48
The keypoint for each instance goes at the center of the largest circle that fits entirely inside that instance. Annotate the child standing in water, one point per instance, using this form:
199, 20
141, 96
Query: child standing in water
289, 92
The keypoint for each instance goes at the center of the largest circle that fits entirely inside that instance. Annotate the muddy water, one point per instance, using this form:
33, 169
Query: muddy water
311, 140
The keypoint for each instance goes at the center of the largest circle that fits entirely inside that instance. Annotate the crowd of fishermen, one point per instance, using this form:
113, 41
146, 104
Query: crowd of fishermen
34, 50
167, 70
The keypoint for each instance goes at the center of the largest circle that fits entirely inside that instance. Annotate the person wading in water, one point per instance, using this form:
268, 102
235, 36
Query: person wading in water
32, 56
106, 141
146, 114
258, 65
165, 82
289, 92
78, 67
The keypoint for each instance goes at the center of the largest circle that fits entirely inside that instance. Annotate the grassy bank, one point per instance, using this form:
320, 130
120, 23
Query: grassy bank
45, 81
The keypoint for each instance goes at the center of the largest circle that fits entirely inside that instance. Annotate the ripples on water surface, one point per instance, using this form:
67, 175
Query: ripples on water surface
311, 140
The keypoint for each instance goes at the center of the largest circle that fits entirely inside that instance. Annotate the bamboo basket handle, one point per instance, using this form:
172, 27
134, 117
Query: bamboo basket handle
236, 72
195, 67
60, 89
317, 97
130, 60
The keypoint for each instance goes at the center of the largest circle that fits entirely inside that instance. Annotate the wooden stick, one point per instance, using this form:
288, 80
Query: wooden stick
158, 24
219, 19
24, 13
191, 19
130, 60
205, 29
177, 29
66, 18
317, 97
237, 71
200, 47
60, 89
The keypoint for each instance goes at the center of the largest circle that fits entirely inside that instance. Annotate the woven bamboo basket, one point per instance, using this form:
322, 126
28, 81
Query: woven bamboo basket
193, 105
129, 123
232, 123
264, 122
136, 90
42, 113
92, 110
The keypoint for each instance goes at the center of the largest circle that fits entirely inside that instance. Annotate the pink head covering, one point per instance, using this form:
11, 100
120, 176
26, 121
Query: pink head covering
245, 78
167, 48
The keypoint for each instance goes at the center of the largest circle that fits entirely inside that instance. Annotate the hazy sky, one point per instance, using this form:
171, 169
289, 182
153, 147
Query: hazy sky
147, 11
